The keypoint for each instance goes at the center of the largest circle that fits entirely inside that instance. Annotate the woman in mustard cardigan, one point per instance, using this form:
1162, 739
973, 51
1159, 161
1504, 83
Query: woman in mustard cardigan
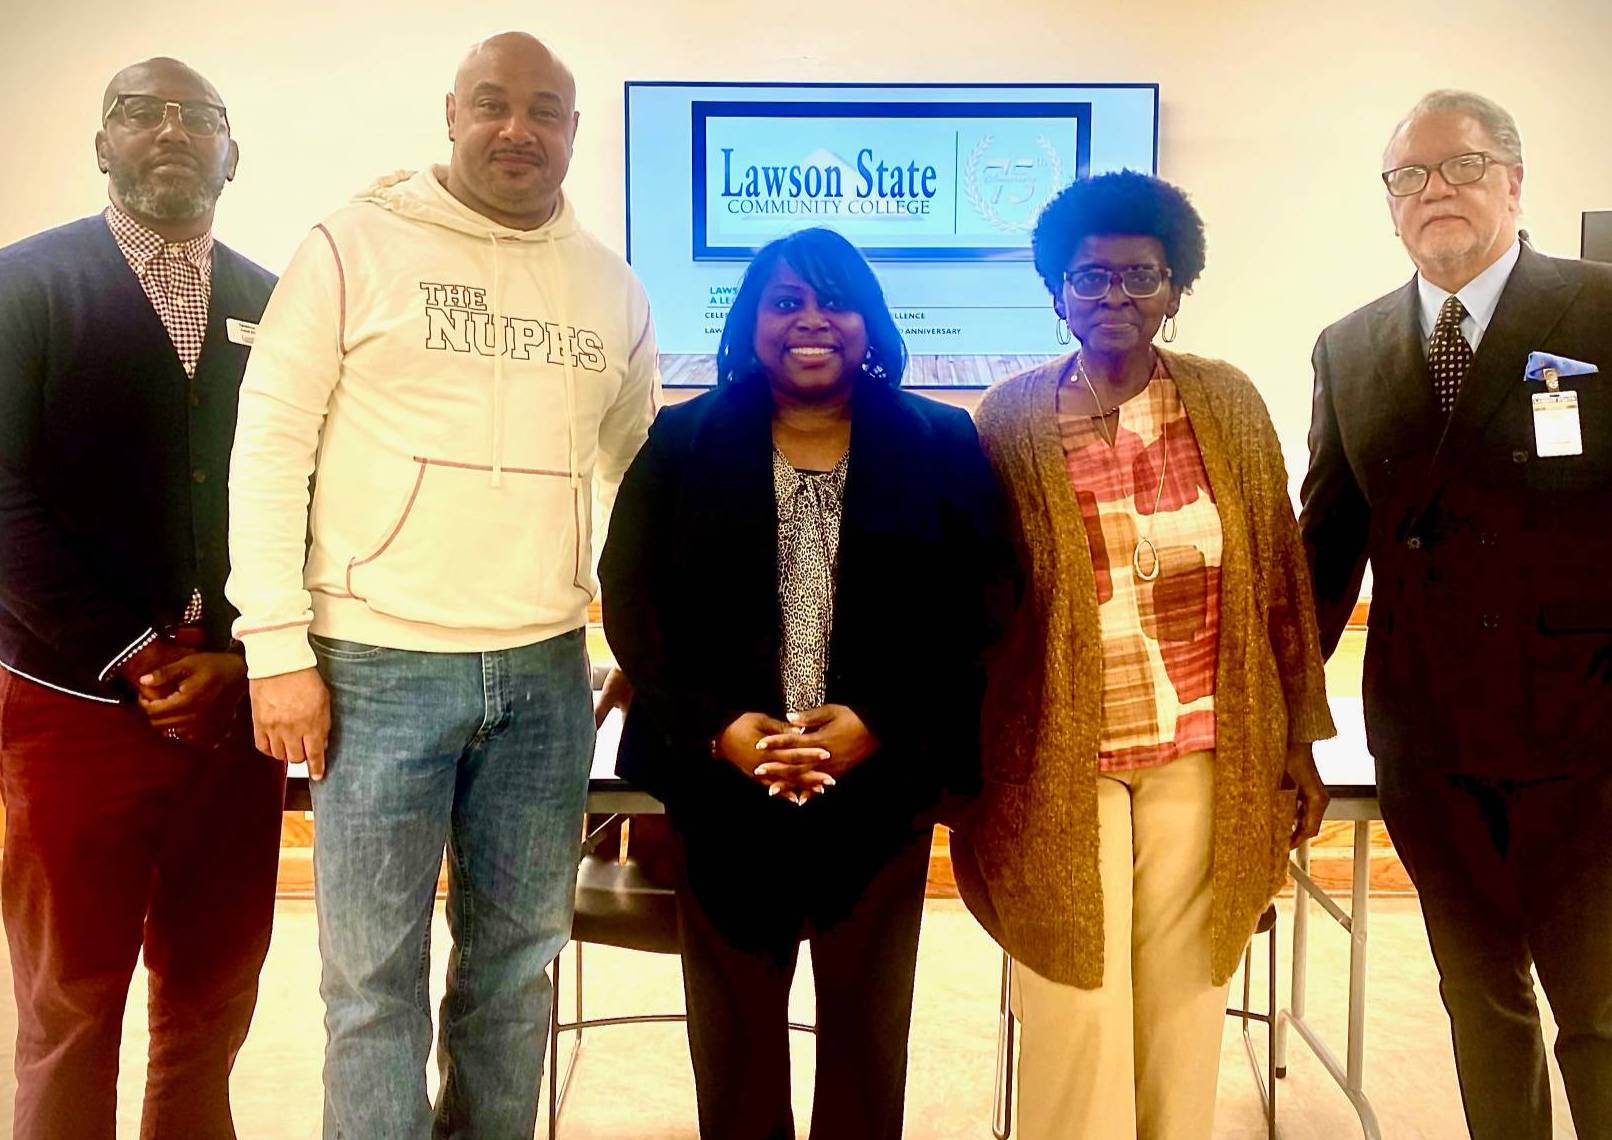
1148, 719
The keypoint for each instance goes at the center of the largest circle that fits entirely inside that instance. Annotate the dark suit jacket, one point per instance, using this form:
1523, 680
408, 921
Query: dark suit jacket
690, 589
1490, 643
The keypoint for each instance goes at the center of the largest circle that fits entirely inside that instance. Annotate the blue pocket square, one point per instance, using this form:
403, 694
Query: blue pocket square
1564, 366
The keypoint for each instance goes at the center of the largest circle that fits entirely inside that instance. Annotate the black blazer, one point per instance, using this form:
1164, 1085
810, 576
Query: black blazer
690, 590
1490, 643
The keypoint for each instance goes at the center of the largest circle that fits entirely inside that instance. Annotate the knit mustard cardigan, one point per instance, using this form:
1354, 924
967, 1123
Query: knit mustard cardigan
1026, 861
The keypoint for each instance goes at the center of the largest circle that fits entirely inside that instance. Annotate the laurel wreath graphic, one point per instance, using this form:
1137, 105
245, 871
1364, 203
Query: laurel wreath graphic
971, 189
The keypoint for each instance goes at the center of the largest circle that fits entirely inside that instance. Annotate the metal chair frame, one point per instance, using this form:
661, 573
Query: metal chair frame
1266, 1081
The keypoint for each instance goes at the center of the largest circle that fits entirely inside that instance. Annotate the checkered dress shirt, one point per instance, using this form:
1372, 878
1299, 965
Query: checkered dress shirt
178, 279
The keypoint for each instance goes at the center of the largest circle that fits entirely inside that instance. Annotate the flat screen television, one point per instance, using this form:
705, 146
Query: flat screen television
938, 185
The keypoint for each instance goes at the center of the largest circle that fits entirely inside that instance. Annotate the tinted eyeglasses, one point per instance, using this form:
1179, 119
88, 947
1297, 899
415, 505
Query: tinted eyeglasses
148, 112
1457, 170
1138, 281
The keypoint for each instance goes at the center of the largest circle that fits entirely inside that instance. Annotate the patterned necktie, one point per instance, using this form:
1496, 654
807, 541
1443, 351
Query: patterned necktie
1448, 354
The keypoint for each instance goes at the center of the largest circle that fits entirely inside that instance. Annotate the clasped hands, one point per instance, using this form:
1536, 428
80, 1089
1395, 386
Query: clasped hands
186, 695
801, 756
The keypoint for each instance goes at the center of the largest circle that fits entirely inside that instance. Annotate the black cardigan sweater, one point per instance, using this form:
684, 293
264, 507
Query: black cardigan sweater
114, 465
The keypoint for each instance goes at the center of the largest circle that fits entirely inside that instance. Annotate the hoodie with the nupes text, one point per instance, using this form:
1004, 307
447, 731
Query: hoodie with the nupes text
466, 396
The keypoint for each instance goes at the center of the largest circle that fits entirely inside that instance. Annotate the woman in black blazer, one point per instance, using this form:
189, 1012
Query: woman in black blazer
796, 583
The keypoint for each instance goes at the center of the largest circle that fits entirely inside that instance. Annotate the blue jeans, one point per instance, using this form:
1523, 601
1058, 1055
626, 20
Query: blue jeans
487, 753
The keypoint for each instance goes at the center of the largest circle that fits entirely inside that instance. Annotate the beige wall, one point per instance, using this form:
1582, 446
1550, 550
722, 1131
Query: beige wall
1274, 113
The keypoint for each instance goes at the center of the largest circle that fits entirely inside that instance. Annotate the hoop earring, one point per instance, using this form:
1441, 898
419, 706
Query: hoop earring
1061, 330
1169, 330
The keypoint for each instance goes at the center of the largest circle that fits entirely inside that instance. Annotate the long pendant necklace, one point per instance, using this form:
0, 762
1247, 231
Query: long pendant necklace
1150, 571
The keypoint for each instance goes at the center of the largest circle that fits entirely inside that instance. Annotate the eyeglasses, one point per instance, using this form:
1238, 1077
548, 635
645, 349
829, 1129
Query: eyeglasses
1139, 282
148, 112
1458, 170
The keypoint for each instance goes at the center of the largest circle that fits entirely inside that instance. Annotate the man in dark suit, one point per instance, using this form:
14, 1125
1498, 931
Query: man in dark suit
139, 816
1479, 487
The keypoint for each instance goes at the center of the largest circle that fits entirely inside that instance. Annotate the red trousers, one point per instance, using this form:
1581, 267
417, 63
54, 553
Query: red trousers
119, 840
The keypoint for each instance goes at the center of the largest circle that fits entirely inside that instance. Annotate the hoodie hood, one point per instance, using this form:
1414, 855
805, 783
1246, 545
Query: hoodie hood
420, 196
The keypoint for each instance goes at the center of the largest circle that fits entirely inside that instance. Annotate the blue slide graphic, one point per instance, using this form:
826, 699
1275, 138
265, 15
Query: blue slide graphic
938, 185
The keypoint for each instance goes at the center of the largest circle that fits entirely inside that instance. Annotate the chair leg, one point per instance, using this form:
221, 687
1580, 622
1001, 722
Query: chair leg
560, 1075
1264, 1082
1002, 1106
1248, 971
562, 1080
577, 956
554, 1049
1270, 1038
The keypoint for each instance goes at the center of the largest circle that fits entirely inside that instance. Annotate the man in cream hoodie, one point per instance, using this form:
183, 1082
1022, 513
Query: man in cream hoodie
466, 373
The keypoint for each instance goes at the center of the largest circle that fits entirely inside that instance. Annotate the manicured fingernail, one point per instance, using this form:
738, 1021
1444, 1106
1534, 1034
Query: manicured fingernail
795, 718
761, 746
774, 789
822, 754
828, 781
761, 770
146, 679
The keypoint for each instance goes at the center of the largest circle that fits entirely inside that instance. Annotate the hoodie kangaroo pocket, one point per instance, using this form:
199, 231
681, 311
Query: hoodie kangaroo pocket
466, 554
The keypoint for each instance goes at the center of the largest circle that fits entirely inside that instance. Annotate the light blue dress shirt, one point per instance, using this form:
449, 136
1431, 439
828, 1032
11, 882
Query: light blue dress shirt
1479, 296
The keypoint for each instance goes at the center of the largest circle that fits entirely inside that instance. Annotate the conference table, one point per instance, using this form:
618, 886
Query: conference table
1350, 774
608, 794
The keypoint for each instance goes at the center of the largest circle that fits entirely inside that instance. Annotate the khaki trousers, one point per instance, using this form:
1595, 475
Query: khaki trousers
1138, 1058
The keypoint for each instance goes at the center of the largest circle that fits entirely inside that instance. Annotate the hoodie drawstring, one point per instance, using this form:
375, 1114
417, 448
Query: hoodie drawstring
422, 196
499, 347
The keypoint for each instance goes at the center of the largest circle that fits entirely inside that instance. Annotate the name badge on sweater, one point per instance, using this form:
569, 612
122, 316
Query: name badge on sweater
240, 332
